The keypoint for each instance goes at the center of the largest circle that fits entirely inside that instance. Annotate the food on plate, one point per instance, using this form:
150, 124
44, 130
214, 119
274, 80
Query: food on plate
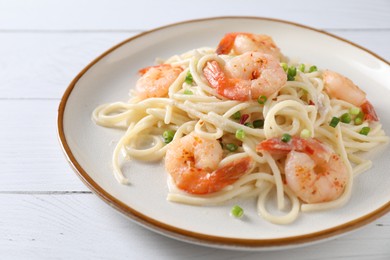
242, 121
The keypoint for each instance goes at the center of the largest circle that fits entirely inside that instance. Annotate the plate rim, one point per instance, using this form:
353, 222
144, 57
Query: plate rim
186, 235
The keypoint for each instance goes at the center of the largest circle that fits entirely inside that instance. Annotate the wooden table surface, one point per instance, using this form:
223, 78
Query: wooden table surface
46, 212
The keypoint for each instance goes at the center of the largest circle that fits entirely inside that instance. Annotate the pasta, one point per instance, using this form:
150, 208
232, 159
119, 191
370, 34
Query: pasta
195, 105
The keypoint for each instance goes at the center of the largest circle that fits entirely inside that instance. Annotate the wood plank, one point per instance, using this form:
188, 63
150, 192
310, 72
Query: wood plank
41, 65
146, 14
52, 60
82, 226
30, 154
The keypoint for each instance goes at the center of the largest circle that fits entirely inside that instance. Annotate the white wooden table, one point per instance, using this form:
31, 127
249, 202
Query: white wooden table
45, 210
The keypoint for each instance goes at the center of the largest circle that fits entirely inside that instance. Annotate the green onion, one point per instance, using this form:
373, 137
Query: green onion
258, 123
334, 122
189, 78
305, 133
365, 130
312, 69
286, 138
354, 111
302, 67
237, 115
168, 136
237, 211
359, 118
188, 92
231, 147
358, 121
284, 66
240, 134
249, 124
291, 73
345, 118
262, 100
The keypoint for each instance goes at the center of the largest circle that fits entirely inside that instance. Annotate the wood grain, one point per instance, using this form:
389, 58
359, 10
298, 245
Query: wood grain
30, 153
147, 14
41, 65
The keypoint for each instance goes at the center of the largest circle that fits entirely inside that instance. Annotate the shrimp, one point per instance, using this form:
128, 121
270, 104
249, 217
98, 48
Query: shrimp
240, 43
343, 88
313, 171
155, 80
246, 76
193, 161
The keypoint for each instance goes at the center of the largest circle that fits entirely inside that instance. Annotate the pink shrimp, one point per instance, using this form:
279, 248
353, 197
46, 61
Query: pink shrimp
343, 88
240, 43
313, 171
246, 76
155, 80
193, 162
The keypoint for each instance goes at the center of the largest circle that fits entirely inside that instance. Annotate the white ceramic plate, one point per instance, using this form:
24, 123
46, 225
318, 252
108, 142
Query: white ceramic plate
109, 77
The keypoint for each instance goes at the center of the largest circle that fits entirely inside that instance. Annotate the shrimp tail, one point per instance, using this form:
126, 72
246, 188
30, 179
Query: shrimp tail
275, 146
228, 174
226, 44
214, 75
369, 112
313, 147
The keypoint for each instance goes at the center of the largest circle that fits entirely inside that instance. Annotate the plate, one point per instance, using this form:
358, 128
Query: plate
109, 77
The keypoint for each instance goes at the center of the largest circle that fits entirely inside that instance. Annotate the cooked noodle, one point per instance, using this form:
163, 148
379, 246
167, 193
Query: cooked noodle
300, 104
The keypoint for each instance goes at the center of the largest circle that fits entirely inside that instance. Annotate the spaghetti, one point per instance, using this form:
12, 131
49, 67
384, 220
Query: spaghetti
194, 106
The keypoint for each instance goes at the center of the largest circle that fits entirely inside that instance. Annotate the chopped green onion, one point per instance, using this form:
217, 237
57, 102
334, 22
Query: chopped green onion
168, 136
334, 122
286, 138
188, 92
359, 118
358, 121
305, 133
258, 123
189, 78
249, 124
312, 69
365, 130
237, 211
291, 73
302, 67
354, 111
231, 147
345, 118
240, 134
236, 115
262, 100
284, 66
